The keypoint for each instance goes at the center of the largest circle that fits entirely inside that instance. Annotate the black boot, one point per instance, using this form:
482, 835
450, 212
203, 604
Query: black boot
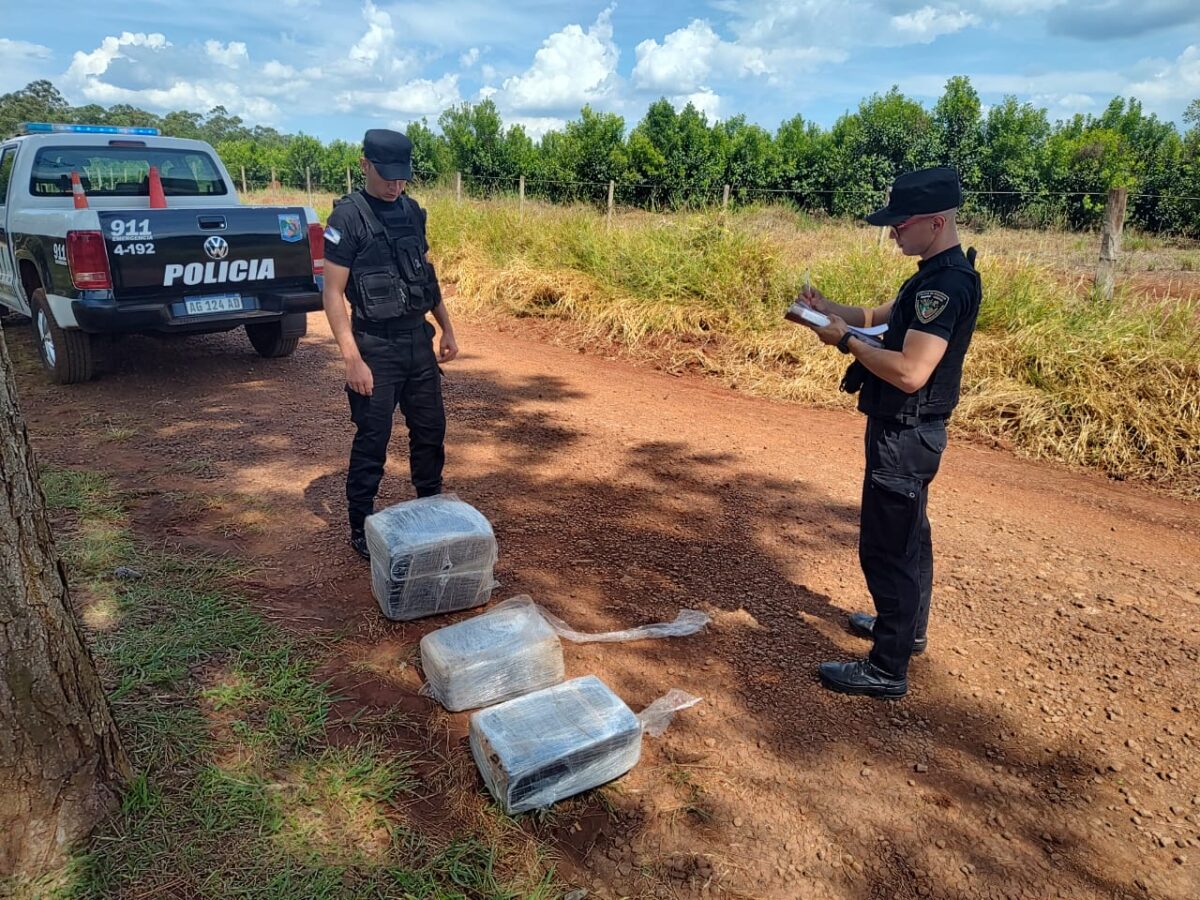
358, 541
863, 625
861, 677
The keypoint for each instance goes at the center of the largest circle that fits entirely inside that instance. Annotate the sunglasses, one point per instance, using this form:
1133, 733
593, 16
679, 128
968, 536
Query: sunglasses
896, 229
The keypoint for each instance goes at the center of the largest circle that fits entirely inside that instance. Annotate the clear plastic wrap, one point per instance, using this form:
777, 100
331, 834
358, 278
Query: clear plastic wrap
513, 649
431, 555
506, 652
557, 742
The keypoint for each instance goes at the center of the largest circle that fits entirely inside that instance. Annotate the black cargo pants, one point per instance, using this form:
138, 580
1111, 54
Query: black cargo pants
895, 545
406, 374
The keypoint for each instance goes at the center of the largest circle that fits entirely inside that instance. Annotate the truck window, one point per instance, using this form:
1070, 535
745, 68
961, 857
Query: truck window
124, 172
7, 155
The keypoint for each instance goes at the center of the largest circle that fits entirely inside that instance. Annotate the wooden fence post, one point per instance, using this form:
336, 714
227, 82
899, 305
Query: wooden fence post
612, 185
725, 199
274, 180
308, 183
883, 232
349, 185
1110, 242
521, 189
458, 187
243, 179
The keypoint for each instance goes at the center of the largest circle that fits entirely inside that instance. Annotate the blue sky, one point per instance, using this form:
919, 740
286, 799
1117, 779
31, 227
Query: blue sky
335, 67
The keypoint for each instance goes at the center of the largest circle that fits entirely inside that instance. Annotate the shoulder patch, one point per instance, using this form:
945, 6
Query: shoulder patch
930, 305
332, 235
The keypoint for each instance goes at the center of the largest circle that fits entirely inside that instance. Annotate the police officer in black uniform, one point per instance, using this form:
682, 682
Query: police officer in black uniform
907, 388
376, 258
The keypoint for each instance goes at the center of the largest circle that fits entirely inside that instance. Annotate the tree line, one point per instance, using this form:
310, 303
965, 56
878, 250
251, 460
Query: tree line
1018, 167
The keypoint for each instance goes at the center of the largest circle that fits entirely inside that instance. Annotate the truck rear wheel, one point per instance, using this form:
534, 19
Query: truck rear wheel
66, 354
267, 338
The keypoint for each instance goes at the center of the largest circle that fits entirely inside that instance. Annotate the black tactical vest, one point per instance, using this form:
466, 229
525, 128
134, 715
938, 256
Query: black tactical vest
940, 394
390, 277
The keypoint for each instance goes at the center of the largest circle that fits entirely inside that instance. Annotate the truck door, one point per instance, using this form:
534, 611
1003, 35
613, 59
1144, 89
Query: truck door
10, 294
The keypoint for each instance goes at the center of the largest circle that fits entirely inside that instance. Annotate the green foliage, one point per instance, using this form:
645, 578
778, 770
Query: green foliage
1017, 167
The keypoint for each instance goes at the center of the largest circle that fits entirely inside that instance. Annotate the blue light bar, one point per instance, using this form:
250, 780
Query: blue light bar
54, 128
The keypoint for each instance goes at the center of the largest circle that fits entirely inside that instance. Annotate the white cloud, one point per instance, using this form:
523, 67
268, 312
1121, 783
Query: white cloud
1063, 104
469, 58
149, 71
704, 100
419, 97
376, 54
685, 59
371, 74
277, 71
927, 23
97, 62
11, 50
680, 63
23, 62
232, 55
378, 40
785, 26
537, 126
572, 68
1179, 80
186, 95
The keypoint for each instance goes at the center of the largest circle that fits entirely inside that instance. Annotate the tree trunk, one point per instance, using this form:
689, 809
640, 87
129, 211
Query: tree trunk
61, 762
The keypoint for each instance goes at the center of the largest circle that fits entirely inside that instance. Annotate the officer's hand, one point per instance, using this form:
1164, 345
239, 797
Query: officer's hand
831, 333
816, 300
359, 377
447, 348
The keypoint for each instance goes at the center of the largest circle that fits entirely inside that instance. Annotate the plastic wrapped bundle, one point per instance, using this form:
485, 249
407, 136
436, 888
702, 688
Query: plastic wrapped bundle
514, 649
557, 742
503, 653
431, 555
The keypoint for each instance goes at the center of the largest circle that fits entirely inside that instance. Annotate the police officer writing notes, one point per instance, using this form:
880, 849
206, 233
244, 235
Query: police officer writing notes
907, 388
375, 257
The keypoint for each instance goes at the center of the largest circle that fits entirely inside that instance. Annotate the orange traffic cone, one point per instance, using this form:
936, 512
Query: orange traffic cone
77, 192
158, 200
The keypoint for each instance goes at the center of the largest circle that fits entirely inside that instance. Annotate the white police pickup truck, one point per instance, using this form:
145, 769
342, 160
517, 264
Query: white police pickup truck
107, 230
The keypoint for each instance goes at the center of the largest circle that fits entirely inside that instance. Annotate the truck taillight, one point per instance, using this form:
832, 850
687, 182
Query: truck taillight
316, 247
87, 261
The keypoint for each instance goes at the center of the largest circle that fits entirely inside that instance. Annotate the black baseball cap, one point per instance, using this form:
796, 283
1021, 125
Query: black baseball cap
390, 152
920, 193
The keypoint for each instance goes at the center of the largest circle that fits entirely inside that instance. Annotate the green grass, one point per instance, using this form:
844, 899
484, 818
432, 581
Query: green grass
239, 791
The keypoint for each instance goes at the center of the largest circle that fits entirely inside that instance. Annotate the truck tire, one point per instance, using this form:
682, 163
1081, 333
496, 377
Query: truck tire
66, 354
267, 338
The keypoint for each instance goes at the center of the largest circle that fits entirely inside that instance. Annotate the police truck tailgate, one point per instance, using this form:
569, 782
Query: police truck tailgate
212, 260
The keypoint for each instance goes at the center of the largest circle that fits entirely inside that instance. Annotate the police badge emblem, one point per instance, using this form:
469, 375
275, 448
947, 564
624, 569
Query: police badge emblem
289, 228
930, 305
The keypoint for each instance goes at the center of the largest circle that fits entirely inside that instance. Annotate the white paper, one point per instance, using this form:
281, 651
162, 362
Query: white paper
808, 314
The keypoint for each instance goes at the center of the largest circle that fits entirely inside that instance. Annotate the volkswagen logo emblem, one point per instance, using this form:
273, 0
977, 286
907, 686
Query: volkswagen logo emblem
216, 247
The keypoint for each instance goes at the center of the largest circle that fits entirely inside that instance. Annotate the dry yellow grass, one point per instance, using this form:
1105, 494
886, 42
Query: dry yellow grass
1052, 372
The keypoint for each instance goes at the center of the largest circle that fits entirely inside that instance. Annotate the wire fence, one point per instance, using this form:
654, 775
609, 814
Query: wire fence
1039, 209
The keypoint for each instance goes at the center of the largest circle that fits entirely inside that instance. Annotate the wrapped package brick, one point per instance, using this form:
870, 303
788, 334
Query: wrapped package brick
559, 741
431, 555
503, 653
513, 649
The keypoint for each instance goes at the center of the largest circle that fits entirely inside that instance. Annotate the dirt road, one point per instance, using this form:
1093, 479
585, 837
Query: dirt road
1048, 745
